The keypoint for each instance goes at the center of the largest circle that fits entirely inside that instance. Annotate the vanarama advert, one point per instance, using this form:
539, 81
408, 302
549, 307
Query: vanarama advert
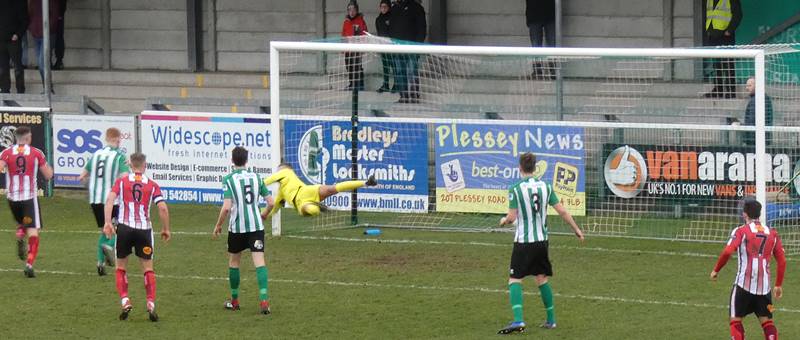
690, 172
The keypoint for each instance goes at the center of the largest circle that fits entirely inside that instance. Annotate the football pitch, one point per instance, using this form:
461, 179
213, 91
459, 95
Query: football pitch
344, 285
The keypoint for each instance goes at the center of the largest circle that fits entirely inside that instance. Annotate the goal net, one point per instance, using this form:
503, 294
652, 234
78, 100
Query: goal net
652, 143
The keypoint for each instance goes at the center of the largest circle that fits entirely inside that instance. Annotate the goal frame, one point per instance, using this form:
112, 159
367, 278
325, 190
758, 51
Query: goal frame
758, 56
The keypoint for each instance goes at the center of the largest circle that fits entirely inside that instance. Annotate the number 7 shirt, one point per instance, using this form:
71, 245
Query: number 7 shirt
755, 244
135, 193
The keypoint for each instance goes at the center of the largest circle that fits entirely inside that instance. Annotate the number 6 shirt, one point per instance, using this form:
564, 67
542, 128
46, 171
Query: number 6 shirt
135, 193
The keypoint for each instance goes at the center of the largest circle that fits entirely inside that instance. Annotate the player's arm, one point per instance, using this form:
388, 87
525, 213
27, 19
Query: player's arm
108, 209
163, 215
163, 212
565, 215
123, 167
511, 217
733, 243
44, 168
223, 215
86, 169
780, 259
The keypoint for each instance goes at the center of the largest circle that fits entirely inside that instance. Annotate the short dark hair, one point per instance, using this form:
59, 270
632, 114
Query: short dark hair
138, 159
752, 208
22, 131
239, 156
527, 162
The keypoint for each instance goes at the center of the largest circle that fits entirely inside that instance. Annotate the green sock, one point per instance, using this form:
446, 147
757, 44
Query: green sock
547, 300
515, 295
111, 241
100, 242
233, 277
261, 275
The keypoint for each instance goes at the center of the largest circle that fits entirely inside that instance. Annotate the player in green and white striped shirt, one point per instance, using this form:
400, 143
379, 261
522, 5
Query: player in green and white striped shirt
241, 190
102, 169
528, 200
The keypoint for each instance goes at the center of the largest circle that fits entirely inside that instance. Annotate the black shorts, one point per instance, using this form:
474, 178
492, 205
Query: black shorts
27, 213
100, 214
744, 303
238, 242
530, 259
140, 240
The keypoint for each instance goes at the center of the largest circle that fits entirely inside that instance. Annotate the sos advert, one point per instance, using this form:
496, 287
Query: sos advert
477, 163
78, 137
395, 153
188, 154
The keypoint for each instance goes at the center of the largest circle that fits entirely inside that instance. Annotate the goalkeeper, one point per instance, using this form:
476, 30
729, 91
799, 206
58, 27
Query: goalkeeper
306, 198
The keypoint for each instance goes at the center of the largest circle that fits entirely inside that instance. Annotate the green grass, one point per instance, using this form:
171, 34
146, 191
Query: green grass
329, 285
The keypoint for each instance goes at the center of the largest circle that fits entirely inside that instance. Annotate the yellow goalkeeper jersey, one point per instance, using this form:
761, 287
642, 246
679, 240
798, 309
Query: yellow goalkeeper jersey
289, 183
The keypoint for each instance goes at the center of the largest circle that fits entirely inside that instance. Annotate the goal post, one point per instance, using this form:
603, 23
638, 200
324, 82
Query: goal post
613, 99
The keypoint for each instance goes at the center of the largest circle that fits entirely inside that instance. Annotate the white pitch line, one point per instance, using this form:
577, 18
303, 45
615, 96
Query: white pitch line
425, 287
432, 242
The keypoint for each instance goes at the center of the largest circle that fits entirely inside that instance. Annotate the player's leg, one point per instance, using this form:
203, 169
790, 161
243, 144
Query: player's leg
257, 251
326, 191
236, 244
104, 250
124, 243
546, 292
144, 250
739, 308
517, 271
18, 212
233, 278
764, 313
542, 269
32, 223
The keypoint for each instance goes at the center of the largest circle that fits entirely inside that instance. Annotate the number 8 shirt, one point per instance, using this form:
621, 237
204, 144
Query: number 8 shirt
135, 193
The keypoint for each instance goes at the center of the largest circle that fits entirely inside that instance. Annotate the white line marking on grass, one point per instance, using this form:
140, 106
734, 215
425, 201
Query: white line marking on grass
457, 243
425, 287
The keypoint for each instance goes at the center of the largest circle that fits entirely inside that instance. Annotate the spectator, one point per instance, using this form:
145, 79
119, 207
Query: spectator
722, 19
37, 31
13, 22
59, 39
749, 138
540, 17
382, 25
407, 22
354, 25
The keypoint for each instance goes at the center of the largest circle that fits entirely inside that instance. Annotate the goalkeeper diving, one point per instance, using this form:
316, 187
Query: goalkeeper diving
305, 198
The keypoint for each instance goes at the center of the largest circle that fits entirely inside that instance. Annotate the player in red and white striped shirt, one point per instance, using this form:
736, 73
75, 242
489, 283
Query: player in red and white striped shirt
756, 244
134, 193
22, 164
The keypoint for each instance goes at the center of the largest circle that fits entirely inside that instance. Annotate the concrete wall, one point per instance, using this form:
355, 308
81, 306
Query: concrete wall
151, 34
586, 23
81, 34
148, 34
245, 27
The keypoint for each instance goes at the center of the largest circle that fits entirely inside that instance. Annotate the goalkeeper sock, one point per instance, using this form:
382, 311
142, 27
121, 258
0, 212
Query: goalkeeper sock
261, 275
770, 332
737, 330
349, 185
233, 277
547, 300
102, 240
515, 295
